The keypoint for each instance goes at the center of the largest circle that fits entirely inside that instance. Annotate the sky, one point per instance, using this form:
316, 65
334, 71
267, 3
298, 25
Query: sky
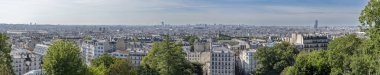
153, 12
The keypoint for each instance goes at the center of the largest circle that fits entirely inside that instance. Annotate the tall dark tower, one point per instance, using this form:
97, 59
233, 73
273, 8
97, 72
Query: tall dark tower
316, 24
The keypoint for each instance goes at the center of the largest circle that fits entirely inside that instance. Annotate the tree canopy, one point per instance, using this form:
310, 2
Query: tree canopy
346, 55
166, 58
5, 58
122, 67
107, 64
63, 58
272, 60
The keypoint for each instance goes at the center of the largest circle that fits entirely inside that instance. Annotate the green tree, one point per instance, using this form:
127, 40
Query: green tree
347, 55
5, 58
272, 60
106, 59
197, 68
107, 64
87, 38
63, 58
98, 70
367, 59
370, 17
166, 58
101, 64
340, 51
122, 67
309, 63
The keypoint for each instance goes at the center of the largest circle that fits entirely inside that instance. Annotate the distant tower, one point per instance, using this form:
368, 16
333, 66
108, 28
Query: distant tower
163, 23
316, 24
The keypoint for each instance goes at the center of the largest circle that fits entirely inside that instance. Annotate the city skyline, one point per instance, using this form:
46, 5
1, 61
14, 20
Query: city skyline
150, 12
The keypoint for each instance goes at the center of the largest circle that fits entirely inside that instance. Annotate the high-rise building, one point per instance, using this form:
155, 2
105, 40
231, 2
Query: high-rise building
316, 24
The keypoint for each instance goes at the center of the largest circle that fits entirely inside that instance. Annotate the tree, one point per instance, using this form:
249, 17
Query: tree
87, 38
309, 63
197, 68
166, 58
106, 59
272, 60
122, 67
5, 58
340, 51
370, 17
63, 58
98, 70
101, 64
347, 55
343, 57
110, 65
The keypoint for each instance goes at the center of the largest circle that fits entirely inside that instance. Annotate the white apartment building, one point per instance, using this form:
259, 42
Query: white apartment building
24, 61
222, 61
136, 56
93, 48
247, 61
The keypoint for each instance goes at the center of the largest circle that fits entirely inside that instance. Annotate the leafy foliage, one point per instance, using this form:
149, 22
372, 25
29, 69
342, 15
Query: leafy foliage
344, 56
87, 38
5, 58
347, 55
166, 58
272, 60
106, 59
313, 63
122, 67
63, 58
197, 68
223, 37
110, 65
98, 70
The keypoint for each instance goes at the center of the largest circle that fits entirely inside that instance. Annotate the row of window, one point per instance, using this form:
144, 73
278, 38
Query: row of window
221, 59
222, 67
222, 71
222, 55
222, 63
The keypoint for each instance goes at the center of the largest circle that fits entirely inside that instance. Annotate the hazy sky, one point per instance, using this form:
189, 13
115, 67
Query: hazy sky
252, 12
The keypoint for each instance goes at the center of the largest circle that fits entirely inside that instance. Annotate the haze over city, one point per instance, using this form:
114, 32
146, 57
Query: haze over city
182, 12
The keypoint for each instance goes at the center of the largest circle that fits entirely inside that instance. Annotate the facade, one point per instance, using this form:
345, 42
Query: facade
193, 56
91, 49
222, 61
247, 61
309, 41
136, 56
24, 61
